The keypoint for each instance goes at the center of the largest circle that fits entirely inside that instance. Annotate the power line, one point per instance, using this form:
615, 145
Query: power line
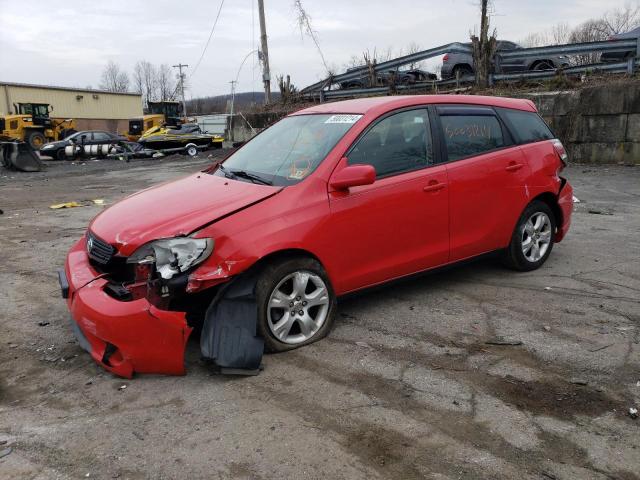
209, 39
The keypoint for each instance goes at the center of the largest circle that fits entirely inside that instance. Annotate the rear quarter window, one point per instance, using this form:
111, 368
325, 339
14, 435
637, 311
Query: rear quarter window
526, 127
468, 135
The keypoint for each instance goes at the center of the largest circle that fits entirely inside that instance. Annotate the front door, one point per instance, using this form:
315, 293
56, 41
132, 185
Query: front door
399, 224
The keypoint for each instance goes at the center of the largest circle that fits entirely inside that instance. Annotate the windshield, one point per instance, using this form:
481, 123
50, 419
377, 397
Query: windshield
290, 150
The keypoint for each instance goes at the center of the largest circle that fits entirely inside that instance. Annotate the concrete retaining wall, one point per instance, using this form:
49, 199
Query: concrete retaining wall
596, 124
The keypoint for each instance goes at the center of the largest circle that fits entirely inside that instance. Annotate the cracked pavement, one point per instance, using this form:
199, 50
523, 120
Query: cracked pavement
406, 386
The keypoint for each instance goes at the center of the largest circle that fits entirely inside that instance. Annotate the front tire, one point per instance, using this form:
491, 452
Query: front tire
296, 304
36, 140
532, 239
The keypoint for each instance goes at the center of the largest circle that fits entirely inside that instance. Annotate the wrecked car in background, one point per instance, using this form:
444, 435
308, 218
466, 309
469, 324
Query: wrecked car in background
56, 150
254, 251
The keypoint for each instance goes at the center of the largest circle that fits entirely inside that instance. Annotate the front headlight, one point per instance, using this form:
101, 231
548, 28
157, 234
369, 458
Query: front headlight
47, 147
173, 255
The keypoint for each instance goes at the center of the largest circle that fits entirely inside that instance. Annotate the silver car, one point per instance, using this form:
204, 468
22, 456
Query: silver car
452, 63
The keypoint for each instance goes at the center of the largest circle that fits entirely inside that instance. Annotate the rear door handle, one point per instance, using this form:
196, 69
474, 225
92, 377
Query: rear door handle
513, 167
434, 186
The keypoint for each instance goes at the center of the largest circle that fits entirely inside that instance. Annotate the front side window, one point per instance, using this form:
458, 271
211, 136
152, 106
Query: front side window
399, 143
527, 127
468, 135
290, 150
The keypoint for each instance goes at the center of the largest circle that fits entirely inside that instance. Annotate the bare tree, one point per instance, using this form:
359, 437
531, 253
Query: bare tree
167, 84
560, 33
589, 31
288, 91
145, 81
113, 79
619, 20
483, 47
413, 47
304, 24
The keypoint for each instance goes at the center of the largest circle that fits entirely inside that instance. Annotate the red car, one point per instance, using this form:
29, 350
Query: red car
331, 199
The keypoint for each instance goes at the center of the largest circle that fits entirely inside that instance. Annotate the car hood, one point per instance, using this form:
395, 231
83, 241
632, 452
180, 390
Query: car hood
175, 208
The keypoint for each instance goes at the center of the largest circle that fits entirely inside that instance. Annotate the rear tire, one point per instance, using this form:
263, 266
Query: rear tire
296, 304
532, 239
463, 69
192, 150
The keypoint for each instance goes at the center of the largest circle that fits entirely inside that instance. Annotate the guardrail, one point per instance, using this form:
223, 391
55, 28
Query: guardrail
322, 89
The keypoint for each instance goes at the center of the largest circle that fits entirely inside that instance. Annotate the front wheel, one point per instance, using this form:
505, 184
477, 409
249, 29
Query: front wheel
296, 304
36, 140
532, 239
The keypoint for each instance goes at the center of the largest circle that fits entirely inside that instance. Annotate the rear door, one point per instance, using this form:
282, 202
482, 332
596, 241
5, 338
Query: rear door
399, 224
486, 173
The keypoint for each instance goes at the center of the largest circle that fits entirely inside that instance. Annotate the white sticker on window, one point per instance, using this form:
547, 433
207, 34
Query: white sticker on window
343, 119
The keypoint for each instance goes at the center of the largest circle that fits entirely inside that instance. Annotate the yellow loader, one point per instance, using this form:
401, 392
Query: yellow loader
32, 124
159, 114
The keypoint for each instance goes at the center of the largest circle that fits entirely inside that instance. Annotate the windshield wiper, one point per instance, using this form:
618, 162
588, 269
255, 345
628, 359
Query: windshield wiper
250, 176
226, 173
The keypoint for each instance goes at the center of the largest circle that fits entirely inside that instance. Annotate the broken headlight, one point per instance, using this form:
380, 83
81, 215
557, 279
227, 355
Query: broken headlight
173, 255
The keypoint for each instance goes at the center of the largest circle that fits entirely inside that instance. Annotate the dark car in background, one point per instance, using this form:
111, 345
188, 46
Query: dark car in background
462, 63
613, 57
86, 137
389, 77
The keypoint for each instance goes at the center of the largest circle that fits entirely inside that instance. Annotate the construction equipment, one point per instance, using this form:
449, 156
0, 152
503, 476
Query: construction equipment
32, 124
16, 155
159, 114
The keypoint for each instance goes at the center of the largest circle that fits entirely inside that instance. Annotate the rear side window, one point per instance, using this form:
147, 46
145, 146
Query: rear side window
468, 135
527, 127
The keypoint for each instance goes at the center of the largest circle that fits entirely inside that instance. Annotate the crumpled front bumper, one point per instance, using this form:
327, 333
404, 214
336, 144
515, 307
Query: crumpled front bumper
565, 202
123, 337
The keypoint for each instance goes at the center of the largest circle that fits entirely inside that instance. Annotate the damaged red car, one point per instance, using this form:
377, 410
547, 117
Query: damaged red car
254, 251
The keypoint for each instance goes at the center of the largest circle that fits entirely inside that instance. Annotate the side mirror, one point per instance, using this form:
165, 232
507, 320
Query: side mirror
353, 176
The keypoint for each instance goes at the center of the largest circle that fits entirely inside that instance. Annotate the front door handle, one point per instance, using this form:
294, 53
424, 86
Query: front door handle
514, 167
434, 186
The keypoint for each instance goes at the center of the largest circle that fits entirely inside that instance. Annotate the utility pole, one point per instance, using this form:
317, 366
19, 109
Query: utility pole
266, 76
233, 99
181, 75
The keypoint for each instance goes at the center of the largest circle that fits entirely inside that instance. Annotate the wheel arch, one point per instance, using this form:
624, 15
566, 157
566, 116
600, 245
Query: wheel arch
460, 66
537, 62
552, 201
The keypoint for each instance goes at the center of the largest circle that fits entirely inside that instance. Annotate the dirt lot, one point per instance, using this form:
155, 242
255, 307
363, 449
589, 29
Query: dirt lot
406, 386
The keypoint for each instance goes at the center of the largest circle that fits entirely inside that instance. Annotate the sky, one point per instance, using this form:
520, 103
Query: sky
68, 43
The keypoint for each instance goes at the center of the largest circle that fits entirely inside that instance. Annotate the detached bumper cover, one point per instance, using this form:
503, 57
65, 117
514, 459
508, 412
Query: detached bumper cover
123, 337
565, 202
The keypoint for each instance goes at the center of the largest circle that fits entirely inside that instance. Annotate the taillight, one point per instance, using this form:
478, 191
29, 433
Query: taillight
562, 153
445, 58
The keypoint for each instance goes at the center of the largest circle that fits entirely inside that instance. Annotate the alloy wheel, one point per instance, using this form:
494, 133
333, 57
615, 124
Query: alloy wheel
536, 237
298, 307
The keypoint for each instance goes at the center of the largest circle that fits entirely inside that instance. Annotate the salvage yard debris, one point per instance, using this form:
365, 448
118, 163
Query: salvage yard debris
58, 206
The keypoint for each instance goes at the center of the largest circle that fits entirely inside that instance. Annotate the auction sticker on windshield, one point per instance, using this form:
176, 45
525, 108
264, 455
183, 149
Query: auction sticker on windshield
343, 119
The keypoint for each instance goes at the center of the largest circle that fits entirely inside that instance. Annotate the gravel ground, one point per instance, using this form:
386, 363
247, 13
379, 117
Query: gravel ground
408, 385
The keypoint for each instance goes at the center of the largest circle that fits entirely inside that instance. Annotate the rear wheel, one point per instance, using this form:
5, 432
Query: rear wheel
462, 70
532, 239
192, 150
543, 65
35, 140
296, 304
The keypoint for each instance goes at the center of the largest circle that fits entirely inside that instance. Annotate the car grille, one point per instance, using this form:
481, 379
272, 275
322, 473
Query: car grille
99, 250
